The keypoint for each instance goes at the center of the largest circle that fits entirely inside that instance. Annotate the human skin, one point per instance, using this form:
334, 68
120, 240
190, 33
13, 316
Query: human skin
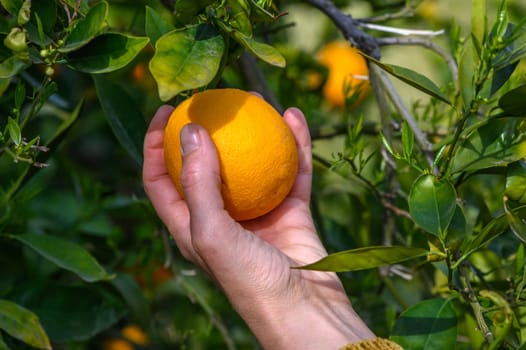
251, 261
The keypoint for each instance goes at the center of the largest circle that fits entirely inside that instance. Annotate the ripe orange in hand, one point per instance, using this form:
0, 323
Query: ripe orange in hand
348, 73
256, 149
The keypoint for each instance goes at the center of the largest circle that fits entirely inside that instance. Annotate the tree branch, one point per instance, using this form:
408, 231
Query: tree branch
427, 44
349, 27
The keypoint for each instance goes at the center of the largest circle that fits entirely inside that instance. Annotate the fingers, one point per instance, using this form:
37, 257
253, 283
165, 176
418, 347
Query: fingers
212, 228
297, 123
168, 204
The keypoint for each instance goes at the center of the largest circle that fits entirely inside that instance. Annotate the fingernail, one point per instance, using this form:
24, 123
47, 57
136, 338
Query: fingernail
190, 139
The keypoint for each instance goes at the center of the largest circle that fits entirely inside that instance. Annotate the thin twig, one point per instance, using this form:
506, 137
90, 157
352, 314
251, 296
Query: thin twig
348, 26
396, 99
256, 80
448, 58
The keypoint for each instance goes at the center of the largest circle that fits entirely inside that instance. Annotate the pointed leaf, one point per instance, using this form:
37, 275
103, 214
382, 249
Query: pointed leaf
22, 324
262, 51
430, 324
432, 203
186, 59
12, 6
87, 28
106, 53
496, 143
65, 254
516, 182
123, 115
492, 230
365, 258
156, 26
478, 19
513, 102
11, 67
408, 140
412, 78
518, 226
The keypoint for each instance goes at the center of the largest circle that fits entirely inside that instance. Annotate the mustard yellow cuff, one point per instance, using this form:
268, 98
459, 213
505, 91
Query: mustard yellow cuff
373, 344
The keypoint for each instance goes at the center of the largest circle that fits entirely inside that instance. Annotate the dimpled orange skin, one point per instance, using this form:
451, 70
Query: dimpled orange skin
346, 68
257, 151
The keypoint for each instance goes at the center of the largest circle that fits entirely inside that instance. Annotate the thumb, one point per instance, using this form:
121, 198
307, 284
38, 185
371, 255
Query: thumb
200, 176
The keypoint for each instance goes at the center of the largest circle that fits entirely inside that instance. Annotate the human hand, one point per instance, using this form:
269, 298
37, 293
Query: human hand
251, 261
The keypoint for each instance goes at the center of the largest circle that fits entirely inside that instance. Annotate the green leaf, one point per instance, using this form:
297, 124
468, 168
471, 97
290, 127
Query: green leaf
516, 181
87, 28
12, 6
262, 51
498, 142
123, 116
432, 203
186, 59
156, 26
45, 12
365, 258
491, 230
14, 131
22, 324
466, 73
65, 254
238, 17
412, 78
408, 140
186, 11
11, 67
73, 313
518, 226
430, 324
479, 20
513, 102
3, 346
106, 53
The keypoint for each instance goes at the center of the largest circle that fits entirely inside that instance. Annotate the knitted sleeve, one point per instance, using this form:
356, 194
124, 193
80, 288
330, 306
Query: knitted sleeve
373, 344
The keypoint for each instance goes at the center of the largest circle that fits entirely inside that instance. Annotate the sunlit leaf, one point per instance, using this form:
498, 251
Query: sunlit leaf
516, 181
497, 143
430, 324
186, 59
156, 25
365, 258
408, 140
87, 28
65, 254
123, 115
238, 17
513, 103
12, 6
478, 20
261, 50
106, 53
466, 73
11, 67
432, 203
517, 224
490, 231
415, 79
22, 324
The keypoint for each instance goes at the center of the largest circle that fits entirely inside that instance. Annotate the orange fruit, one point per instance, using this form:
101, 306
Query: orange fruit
348, 73
256, 149
135, 335
117, 344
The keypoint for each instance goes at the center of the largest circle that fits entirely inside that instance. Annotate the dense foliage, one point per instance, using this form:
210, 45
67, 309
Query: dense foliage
419, 193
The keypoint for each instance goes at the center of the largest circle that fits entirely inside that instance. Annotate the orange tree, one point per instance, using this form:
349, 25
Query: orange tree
419, 192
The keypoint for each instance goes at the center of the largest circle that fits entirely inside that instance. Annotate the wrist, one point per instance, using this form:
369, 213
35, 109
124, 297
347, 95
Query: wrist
315, 322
